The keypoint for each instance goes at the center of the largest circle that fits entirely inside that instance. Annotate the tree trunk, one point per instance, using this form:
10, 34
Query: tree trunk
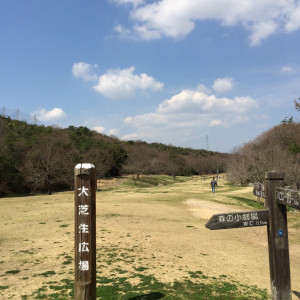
49, 188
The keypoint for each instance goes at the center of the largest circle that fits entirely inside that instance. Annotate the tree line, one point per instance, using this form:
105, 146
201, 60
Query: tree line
275, 149
41, 159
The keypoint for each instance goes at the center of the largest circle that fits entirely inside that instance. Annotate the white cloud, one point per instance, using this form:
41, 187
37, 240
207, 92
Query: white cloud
84, 71
216, 123
223, 84
114, 131
133, 2
194, 102
124, 32
116, 83
122, 84
99, 129
294, 20
202, 88
261, 31
286, 69
52, 115
131, 136
177, 18
190, 110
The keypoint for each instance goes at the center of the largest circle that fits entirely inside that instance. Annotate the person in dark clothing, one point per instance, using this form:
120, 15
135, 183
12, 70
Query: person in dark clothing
213, 184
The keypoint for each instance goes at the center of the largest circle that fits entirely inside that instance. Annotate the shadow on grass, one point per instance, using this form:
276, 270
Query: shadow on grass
151, 296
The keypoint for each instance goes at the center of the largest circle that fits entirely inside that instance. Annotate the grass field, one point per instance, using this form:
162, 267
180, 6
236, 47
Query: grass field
151, 244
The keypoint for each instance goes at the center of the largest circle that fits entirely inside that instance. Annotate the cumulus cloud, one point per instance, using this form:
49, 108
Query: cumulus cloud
194, 102
177, 18
223, 84
190, 110
123, 83
52, 115
84, 71
99, 129
116, 83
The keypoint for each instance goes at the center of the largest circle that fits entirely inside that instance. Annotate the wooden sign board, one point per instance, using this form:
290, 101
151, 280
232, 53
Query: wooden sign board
288, 197
85, 231
238, 220
259, 190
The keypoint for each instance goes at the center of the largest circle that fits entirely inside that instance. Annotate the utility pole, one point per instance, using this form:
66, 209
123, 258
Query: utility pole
207, 145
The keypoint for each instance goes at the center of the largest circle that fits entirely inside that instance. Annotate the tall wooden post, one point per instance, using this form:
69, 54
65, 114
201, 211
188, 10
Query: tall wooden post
278, 239
85, 231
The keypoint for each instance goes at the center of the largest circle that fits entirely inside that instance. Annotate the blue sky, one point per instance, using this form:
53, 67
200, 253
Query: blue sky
169, 71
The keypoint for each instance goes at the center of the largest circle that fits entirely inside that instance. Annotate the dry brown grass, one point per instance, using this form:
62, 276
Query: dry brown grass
159, 229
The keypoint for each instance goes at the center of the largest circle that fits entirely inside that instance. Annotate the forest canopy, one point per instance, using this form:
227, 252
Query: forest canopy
42, 159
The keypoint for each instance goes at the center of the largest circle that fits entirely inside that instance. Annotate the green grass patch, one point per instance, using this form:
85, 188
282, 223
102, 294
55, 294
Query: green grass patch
194, 286
12, 272
296, 226
248, 202
190, 226
30, 252
46, 274
69, 260
149, 182
4, 287
111, 215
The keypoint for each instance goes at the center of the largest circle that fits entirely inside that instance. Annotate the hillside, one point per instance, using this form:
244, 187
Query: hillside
275, 149
38, 158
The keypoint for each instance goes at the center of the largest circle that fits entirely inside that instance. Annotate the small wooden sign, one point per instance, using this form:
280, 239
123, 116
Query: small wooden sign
238, 220
288, 197
85, 231
259, 190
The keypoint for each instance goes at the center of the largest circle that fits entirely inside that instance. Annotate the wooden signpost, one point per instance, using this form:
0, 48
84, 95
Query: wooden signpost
85, 231
259, 190
238, 220
288, 197
275, 218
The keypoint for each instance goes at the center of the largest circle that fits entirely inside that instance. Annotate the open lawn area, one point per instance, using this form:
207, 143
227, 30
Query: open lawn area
151, 243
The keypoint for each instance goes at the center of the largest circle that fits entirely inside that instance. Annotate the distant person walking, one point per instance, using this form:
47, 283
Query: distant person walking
213, 185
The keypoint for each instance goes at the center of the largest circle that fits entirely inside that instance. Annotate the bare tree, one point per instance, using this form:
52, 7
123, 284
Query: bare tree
49, 163
137, 163
176, 165
297, 104
278, 148
142, 161
102, 160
